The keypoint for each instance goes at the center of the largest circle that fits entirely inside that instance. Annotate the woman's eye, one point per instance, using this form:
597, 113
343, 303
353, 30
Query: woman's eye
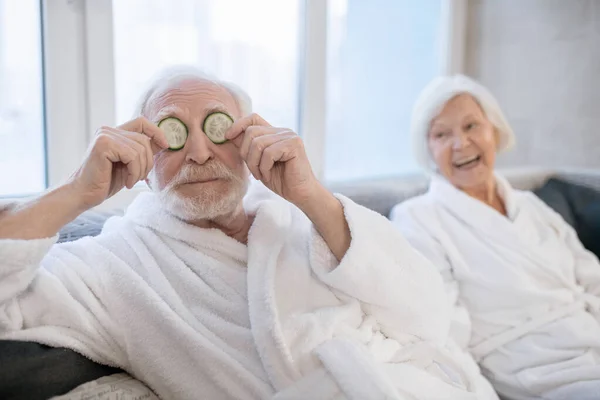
439, 135
471, 126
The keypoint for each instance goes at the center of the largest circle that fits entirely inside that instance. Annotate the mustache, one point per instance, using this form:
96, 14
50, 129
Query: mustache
212, 169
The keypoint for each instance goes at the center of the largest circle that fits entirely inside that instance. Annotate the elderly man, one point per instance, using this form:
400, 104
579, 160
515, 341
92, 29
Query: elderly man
291, 292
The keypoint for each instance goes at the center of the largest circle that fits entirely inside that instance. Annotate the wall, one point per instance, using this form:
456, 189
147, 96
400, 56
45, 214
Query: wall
541, 58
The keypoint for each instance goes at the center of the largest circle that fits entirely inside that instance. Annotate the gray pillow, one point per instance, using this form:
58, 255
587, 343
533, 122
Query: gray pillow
554, 194
579, 205
89, 223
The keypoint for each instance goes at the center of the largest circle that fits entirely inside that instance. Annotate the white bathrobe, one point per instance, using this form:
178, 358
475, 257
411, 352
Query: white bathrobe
196, 314
524, 290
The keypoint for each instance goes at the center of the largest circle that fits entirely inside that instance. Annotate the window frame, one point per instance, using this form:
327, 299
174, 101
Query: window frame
453, 34
65, 96
79, 75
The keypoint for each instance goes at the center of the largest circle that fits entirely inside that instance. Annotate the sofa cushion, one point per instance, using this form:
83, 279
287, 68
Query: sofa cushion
87, 224
31, 371
553, 193
383, 194
579, 205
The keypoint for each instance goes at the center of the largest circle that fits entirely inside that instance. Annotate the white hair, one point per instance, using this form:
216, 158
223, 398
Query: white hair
432, 100
177, 73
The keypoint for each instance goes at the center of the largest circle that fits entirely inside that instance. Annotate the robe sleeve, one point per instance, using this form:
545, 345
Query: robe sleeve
413, 229
392, 281
44, 298
19, 263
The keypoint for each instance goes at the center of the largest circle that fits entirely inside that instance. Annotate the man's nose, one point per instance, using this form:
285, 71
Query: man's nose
198, 149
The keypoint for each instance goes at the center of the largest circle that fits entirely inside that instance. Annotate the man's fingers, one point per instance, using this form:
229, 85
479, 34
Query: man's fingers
147, 147
136, 167
251, 133
283, 151
143, 126
142, 160
254, 132
147, 151
123, 151
258, 145
234, 133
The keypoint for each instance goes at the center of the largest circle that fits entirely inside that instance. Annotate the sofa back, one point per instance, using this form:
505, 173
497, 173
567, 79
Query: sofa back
381, 195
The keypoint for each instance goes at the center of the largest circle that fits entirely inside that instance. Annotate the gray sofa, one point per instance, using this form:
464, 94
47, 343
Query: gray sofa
382, 194
38, 372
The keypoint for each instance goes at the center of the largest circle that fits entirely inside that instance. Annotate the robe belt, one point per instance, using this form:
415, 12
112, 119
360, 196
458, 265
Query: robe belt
481, 350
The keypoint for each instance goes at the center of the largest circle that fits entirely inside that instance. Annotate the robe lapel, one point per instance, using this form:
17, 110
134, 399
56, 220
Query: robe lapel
271, 228
516, 233
480, 217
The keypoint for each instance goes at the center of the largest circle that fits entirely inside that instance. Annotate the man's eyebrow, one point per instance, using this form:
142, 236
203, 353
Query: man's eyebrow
168, 111
212, 108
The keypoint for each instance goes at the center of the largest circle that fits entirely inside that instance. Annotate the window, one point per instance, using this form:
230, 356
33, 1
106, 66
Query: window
380, 54
254, 44
342, 73
22, 153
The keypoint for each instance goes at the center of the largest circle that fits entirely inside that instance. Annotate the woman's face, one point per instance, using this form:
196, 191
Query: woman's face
463, 143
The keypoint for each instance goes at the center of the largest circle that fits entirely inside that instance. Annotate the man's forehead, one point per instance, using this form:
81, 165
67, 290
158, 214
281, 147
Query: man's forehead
190, 91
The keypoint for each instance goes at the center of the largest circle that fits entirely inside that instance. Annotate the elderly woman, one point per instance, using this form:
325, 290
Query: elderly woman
525, 292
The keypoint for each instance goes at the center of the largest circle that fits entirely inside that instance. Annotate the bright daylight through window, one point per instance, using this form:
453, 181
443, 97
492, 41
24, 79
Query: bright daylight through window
257, 47
22, 154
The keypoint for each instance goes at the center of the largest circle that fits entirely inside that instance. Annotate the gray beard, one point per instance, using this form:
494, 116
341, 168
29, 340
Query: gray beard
208, 204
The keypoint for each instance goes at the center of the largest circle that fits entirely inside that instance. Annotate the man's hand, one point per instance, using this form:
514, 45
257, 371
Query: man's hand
277, 158
119, 157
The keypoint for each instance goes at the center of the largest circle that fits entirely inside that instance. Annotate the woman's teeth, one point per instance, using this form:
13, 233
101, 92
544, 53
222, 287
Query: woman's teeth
465, 161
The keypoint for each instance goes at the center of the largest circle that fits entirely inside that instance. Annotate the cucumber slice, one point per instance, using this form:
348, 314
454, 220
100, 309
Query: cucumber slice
176, 132
215, 125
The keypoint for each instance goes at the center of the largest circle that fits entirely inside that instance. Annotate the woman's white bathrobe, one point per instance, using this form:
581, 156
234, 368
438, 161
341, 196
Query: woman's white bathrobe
525, 291
175, 306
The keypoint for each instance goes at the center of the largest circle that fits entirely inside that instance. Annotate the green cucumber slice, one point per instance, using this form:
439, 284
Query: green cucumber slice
215, 125
175, 131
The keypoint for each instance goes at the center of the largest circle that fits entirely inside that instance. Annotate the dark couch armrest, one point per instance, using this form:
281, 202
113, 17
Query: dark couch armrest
31, 371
